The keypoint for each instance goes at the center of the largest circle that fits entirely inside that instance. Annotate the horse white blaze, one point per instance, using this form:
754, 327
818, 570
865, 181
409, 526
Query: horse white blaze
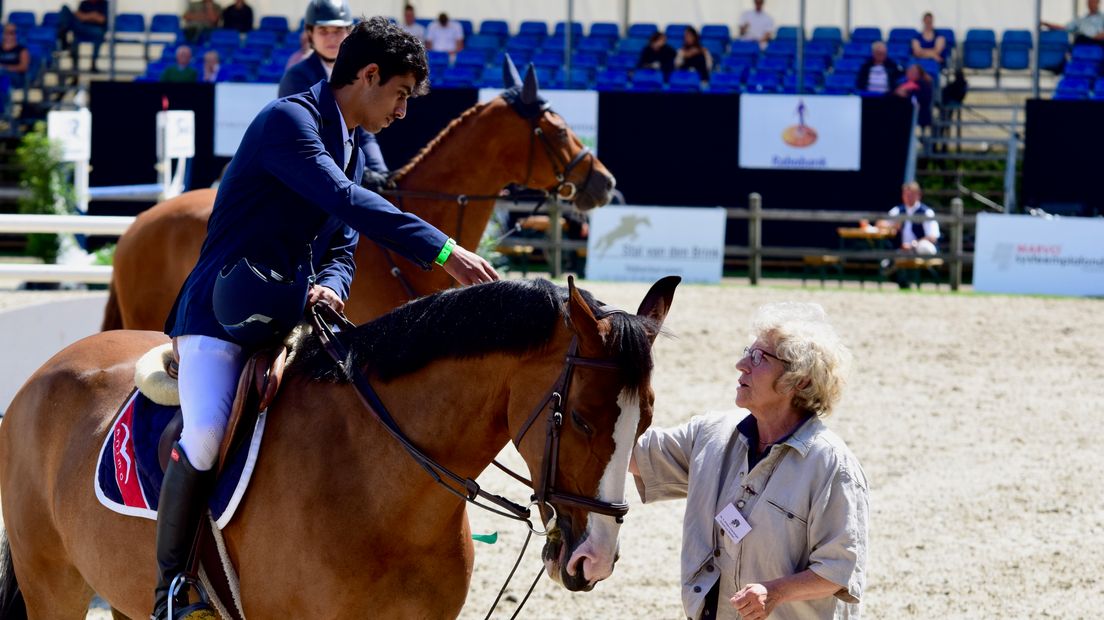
599, 549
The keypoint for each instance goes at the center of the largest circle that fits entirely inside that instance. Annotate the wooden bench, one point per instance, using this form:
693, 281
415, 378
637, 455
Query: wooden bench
914, 267
820, 264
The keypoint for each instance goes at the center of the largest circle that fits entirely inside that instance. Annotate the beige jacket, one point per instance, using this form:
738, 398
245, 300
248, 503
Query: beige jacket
806, 503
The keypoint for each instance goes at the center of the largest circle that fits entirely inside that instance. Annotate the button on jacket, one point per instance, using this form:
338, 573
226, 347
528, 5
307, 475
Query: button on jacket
806, 502
283, 190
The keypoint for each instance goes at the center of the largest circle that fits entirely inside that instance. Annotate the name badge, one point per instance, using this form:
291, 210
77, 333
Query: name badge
733, 523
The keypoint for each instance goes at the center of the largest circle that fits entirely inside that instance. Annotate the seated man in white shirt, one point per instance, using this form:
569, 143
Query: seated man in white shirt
411, 25
919, 238
756, 25
445, 35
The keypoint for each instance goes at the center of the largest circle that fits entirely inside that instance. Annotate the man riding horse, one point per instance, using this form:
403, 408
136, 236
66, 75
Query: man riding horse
275, 243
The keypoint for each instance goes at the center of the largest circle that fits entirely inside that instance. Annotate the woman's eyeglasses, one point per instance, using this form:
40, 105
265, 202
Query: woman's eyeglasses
756, 356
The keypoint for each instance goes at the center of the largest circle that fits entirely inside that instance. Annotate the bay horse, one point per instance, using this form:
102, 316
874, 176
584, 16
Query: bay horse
490, 146
339, 521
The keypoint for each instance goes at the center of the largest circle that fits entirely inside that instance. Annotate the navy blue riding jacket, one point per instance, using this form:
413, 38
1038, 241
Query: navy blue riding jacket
285, 189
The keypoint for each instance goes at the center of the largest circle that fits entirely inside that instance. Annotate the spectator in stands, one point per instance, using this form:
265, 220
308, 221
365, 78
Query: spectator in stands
238, 16
411, 25
879, 74
88, 23
914, 237
771, 463
756, 25
210, 66
182, 71
918, 86
928, 44
692, 55
657, 55
300, 54
445, 35
1087, 29
15, 60
200, 17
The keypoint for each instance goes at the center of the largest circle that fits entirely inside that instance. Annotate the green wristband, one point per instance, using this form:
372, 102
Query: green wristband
446, 251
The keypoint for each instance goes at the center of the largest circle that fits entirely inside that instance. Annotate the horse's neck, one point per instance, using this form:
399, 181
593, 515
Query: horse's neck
461, 161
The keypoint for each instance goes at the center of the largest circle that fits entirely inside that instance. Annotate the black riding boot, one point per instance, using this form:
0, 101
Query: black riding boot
182, 503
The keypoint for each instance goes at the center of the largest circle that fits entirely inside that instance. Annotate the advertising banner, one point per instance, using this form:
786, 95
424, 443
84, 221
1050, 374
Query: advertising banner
73, 130
1026, 254
578, 107
648, 243
800, 132
236, 105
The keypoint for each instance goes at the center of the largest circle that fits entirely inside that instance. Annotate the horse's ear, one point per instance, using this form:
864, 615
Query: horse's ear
657, 303
587, 327
510, 76
529, 92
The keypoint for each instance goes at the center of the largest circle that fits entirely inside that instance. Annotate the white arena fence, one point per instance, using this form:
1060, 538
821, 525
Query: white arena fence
83, 224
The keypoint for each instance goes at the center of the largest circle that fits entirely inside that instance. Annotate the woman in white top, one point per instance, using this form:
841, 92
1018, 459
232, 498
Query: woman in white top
776, 511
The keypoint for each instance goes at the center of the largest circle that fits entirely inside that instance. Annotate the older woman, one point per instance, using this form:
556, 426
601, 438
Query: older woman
776, 513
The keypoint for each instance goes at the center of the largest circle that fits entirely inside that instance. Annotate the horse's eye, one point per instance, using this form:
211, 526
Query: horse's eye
581, 424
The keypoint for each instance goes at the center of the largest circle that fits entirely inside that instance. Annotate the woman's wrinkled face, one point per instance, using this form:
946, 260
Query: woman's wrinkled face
758, 383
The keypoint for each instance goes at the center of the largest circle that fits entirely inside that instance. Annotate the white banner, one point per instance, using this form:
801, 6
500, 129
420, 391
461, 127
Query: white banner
647, 243
73, 130
807, 132
175, 134
236, 105
579, 108
1025, 254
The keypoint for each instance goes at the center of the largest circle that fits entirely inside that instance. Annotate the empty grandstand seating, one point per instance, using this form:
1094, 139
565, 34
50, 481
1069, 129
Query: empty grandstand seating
977, 49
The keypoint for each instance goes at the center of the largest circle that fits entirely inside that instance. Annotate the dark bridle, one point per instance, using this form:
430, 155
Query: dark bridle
554, 402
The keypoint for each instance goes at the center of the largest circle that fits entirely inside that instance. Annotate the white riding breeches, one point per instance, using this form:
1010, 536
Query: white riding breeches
208, 379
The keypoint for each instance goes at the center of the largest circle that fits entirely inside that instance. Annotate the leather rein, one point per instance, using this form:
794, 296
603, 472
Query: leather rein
323, 317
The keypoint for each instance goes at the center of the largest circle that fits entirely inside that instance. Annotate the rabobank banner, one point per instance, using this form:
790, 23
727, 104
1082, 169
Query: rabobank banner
579, 108
1026, 254
800, 132
236, 105
647, 243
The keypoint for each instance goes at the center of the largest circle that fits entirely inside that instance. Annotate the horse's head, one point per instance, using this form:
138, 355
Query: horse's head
578, 443
557, 159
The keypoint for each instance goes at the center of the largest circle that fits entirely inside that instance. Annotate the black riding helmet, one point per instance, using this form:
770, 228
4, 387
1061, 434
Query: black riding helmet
329, 13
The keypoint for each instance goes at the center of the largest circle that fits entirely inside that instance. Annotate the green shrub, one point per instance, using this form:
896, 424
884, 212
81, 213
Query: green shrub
45, 178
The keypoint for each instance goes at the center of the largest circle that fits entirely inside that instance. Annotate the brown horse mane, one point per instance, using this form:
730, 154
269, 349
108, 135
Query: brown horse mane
511, 316
453, 124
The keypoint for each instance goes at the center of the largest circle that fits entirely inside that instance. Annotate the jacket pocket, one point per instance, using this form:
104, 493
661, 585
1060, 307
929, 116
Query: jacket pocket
789, 514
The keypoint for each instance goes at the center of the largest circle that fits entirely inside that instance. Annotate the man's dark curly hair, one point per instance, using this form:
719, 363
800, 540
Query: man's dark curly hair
377, 40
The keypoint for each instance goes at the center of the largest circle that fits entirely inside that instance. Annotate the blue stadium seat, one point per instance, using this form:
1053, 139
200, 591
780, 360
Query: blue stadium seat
548, 59
130, 28
581, 78
1073, 88
716, 47
234, 72
224, 38
838, 83
557, 41
762, 82
778, 64
735, 65
24, 20
466, 26
745, 49
684, 82
725, 83
612, 79
533, 29
457, 77
277, 24
642, 30
520, 58
949, 37
264, 40
849, 65
471, 58
576, 29
719, 32
902, 34
548, 76
1082, 69
866, 34
605, 30
815, 64
165, 23
674, 34
1053, 47
43, 36
526, 43
631, 45
812, 82
622, 60
483, 42
587, 60
595, 44
270, 72
646, 80
495, 28
782, 47
1015, 50
977, 49
50, 19
491, 77
899, 51
1090, 53
831, 35
857, 49
786, 33
820, 49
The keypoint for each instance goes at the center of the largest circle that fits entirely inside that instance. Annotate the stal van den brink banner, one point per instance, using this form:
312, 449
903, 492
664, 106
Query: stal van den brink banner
648, 243
1026, 254
806, 132
236, 105
579, 108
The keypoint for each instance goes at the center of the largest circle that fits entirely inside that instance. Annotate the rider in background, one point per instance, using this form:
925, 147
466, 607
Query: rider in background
298, 167
327, 23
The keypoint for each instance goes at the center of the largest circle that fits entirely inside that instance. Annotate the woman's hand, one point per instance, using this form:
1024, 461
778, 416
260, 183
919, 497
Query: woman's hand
326, 295
754, 602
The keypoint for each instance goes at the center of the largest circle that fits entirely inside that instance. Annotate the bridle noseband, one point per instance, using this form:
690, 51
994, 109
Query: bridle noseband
544, 492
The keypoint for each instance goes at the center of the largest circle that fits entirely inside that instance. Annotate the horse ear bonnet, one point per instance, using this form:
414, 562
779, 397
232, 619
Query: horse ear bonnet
525, 96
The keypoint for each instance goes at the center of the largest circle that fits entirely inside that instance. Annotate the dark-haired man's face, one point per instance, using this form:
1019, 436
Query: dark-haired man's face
380, 104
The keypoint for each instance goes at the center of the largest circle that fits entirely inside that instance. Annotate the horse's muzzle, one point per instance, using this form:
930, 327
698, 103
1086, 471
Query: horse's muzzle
595, 191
